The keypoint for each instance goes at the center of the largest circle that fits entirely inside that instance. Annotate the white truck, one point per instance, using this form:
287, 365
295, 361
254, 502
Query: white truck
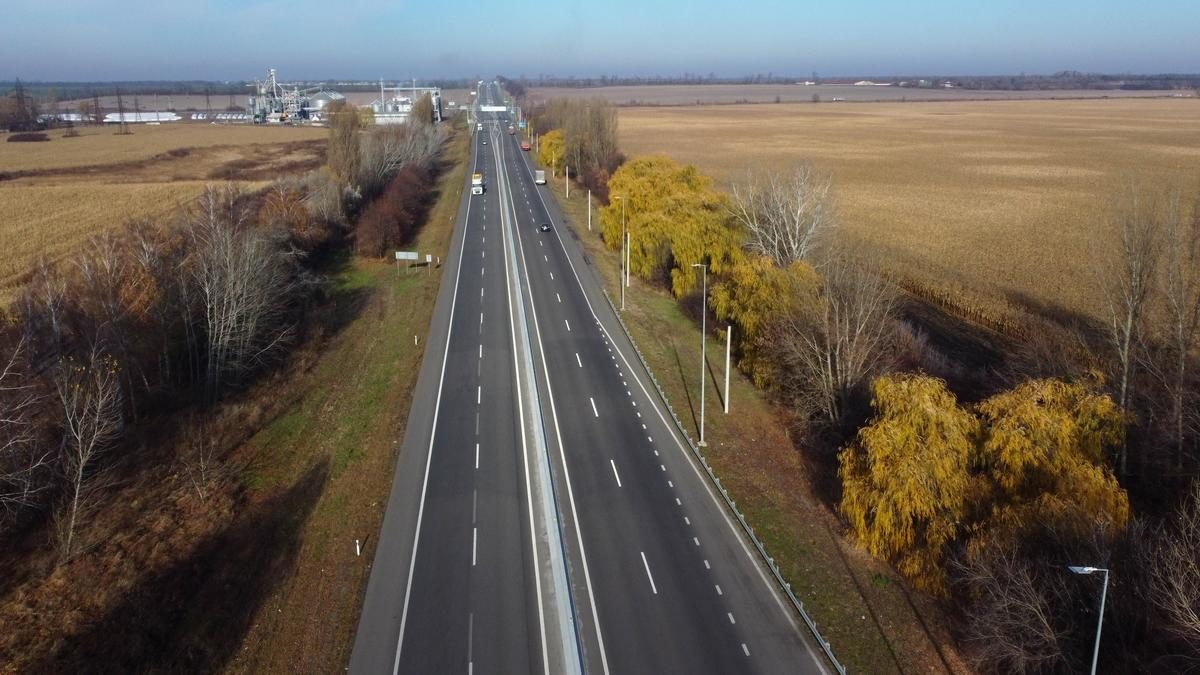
476, 183
539, 177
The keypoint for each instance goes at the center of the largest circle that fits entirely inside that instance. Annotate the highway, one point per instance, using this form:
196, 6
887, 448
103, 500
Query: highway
526, 362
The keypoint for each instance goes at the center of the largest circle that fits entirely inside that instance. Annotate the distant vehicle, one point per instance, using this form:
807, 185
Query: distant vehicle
477, 184
485, 142
544, 227
525, 145
539, 177
511, 130
479, 126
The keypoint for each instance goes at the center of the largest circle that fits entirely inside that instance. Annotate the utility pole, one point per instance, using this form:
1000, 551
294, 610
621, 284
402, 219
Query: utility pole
728, 345
703, 342
621, 266
567, 180
589, 209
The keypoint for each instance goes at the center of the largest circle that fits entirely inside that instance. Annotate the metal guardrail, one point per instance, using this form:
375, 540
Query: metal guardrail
762, 550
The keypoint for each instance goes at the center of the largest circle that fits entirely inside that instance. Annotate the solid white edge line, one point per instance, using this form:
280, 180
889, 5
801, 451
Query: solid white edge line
648, 575
756, 563
412, 564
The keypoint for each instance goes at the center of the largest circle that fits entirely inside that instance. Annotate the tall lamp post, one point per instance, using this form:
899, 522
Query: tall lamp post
624, 262
703, 340
1103, 596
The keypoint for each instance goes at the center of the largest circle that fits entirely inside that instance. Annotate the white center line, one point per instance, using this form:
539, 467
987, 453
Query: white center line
594, 412
615, 474
577, 360
648, 575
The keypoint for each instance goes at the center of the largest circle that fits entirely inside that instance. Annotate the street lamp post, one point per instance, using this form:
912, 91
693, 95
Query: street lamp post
703, 340
1103, 597
624, 262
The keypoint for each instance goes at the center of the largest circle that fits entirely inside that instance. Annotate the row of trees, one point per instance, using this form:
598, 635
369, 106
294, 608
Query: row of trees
982, 503
173, 313
580, 134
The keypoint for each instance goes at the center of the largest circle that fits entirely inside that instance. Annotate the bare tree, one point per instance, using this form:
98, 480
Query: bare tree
786, 215
1012, 622
242, 278
1178, 288
44, 305
23, 462
90, 395
387, 150
1175, 571
836, 336
1127, 279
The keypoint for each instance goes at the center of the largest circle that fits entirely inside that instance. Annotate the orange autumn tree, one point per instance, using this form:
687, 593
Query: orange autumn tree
906, 479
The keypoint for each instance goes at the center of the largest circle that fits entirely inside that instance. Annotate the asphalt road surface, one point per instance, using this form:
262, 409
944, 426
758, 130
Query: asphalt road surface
660, 579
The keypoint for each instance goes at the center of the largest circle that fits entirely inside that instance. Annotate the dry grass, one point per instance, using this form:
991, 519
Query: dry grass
100, 146
62, 192
994, 201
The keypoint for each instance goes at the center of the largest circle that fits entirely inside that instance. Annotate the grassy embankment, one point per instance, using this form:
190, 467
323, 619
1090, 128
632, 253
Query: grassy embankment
348, 417
873, 621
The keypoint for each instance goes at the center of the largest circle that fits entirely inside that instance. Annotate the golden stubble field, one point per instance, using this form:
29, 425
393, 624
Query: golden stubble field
1003, 200
60, 193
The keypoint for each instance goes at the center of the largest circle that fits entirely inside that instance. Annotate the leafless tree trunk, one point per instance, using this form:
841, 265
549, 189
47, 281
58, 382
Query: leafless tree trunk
1127, 279
22, 462
387, 150
242, 278
44, 305
836, 339
90, 395
1178, 286
786, 216
1175, 571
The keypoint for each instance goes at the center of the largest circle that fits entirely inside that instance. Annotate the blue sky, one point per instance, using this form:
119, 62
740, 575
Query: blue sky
309, 39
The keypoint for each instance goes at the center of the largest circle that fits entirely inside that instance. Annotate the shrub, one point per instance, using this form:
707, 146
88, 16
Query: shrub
28, 137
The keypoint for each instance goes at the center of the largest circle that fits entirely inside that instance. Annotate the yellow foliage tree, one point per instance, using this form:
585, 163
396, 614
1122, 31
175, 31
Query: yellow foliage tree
906, 480
674, 218
751, 295
551, 149
1045, 452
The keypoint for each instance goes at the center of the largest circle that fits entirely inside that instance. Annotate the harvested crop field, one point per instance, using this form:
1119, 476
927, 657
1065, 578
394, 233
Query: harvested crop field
55, 195
998, 201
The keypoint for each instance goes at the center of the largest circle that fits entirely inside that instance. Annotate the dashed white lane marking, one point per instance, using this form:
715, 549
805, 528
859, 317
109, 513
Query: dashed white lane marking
677, 502
707, 566
577, 360
480, 271
615, 474
552, 276
476, 455
648, 575
558, 296
656, 453
745, 649
479, 394
594, 411
481, 318
483, 254
719, 591
663, 467
730, 615
568, 325
687, 521
546, 258
481, 292
696, 540
650, 438
474, 543
643, 426
670, 484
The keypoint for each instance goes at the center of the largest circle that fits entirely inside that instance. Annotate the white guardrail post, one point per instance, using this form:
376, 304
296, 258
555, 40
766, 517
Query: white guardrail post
762, 550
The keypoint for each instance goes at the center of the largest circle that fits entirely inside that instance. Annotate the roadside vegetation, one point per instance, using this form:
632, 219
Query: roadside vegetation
141, 529
978, 479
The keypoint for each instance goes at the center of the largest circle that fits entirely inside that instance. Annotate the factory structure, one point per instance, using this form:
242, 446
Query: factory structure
277, 103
